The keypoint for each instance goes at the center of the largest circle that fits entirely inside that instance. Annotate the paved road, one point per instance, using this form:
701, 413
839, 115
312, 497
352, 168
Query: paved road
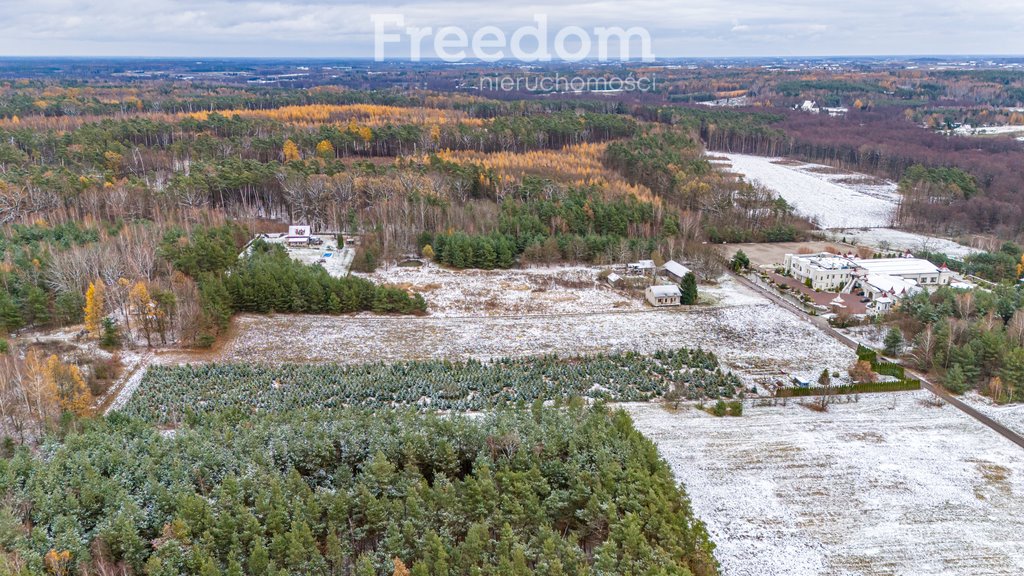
824, 326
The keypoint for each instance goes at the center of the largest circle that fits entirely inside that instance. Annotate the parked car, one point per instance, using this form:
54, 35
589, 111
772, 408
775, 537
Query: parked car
315, 241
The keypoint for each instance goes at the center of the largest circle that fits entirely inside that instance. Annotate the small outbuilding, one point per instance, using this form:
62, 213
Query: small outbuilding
641, 268
298, 236
675, 271
664, 295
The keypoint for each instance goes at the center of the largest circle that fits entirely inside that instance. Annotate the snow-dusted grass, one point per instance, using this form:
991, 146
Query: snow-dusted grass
454, 293
835, 199
870, 335
890, 239
755, 340
547, 290
885, 486
988, 130
1009, 415
135, 366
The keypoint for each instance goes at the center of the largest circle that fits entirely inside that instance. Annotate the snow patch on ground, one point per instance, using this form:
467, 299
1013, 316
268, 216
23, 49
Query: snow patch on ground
870, 335
135, 368
542, 290
1009, 415
757, 341
968, 130
888, 485
834, 198
890, 239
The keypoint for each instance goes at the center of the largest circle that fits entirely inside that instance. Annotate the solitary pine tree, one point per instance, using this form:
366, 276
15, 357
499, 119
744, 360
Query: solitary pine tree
955, 380
739, 261
893, 342
689, 289
824, 379
94, 309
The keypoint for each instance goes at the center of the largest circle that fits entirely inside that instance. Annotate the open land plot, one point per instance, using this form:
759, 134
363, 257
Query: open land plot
1009, 415
889, 239
534, 291
755, 340
548, 290
774, 254
833, 198
890, 485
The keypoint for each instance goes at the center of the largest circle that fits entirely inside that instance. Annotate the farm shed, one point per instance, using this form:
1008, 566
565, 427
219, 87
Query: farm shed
675, 271
665, 295
642, 268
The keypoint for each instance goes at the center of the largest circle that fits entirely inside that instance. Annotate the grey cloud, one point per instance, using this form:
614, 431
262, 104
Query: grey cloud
688, 28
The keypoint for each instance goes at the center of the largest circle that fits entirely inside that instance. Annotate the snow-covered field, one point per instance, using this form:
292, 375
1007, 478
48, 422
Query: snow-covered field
889, 239
834, 198
533, 291
1009, 415
760, 340
886, 486
539, 312
508, 292
988, 130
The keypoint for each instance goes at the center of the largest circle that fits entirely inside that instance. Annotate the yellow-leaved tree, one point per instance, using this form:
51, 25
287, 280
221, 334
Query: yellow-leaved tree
94, 309
144, 309
325, 149
291, 151
66, 379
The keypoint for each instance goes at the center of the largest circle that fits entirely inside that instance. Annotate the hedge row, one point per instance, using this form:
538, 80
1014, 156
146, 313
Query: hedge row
863, 388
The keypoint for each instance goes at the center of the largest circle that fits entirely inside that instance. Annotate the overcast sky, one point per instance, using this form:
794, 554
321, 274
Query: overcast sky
302, 28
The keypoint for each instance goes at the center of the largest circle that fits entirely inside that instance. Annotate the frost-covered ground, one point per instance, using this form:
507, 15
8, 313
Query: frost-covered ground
755, 340
870, 335
1009, 415
534, 291
889, 239
967, 130
548, 290
834, 198
885, 486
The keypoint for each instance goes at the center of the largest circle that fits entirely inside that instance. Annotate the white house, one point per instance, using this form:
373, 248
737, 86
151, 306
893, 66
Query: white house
809, 106
675, 270
827, 272
298, 235
643, 267
835, 273
664, 295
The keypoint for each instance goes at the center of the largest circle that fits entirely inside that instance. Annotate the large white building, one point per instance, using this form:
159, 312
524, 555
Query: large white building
836, 273
827, 272
923, 272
